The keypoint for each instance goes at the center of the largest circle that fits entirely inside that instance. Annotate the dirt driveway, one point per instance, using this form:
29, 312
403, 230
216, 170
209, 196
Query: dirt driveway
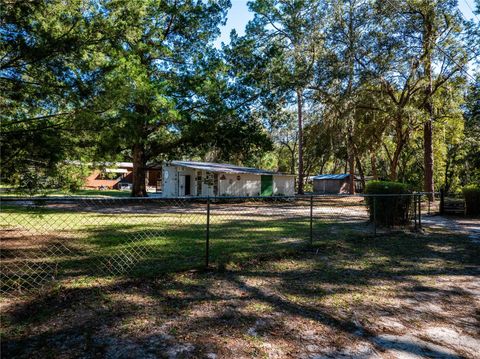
452, 224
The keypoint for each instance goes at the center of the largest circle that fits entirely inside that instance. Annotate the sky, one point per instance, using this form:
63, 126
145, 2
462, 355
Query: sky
238, 17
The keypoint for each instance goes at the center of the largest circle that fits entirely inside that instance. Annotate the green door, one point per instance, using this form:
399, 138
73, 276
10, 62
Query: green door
266, 186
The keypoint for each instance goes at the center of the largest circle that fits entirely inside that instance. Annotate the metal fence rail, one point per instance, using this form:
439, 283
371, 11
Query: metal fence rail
47, 239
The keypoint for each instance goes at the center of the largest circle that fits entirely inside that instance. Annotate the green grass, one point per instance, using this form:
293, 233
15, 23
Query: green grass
102, 242
71, 241
266, 273
10, 192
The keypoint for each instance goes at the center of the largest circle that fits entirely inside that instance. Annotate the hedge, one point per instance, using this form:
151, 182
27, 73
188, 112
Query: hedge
389, 210
471, 193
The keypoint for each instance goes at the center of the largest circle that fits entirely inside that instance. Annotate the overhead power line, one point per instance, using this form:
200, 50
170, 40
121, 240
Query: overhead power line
473, 12
461, 67
477, 54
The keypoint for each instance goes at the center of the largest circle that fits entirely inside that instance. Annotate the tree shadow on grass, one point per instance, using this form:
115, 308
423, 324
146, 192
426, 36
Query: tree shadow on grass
140, 249
147, 249
292, 283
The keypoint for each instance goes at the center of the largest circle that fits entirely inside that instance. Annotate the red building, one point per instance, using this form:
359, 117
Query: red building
118, 175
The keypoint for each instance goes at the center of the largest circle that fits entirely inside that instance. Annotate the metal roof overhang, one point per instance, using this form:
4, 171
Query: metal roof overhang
331, 177
224, 168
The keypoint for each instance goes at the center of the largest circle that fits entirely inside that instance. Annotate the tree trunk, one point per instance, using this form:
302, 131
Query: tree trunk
292, 162
428, 43
446, 186
351, 165
322, 166
373, 160
139, 163
351, 111
428, 156
395, 159
300, 140
360, 171
335, 166
394, 168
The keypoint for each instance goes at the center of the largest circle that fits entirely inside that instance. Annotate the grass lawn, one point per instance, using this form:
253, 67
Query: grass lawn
9, 192
268, 295
65, 241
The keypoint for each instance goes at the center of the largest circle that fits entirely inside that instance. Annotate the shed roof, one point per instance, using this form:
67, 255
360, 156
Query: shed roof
224, 168
331, 176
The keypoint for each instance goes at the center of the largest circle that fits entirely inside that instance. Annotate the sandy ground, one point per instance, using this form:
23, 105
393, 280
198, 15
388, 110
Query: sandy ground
415, 297
460, 225
405, 296
248, 317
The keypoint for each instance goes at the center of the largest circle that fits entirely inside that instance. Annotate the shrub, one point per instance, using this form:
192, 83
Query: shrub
388, 210
40, 181
31, 181
471, 193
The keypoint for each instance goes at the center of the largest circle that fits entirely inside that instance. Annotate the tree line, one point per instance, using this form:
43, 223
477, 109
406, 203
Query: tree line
381, 89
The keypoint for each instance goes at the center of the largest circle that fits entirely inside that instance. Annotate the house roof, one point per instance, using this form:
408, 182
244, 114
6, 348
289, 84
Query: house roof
224, 168
331, 176
116, 170
103, 164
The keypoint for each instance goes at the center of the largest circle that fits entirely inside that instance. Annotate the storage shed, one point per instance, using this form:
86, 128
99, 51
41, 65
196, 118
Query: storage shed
187, 178
332, 183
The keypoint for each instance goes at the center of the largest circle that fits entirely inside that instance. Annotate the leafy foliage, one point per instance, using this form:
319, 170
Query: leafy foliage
385, 210
471, 194
50, 76
377, 88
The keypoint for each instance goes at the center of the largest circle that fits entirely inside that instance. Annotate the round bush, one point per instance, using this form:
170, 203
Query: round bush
391, 208
471, 193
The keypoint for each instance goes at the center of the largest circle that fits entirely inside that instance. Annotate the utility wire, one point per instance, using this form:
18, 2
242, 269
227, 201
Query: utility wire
477, 54
473, 12
461, 67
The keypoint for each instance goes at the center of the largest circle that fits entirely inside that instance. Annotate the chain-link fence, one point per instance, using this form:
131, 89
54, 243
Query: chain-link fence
451, 203
46, 239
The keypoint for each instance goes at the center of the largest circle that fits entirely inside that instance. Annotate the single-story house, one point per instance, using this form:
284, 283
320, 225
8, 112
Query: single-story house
187, 178
118, 175
334, 183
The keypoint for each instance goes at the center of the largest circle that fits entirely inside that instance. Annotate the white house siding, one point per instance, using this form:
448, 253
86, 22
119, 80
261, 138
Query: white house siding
207, 189
284, 185
170, 181
171, 185
243, 184
239, 185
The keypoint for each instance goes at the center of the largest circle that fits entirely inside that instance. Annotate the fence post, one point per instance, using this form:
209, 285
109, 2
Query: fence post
374, 215
311, 220
420, 211
415, 210
207, 244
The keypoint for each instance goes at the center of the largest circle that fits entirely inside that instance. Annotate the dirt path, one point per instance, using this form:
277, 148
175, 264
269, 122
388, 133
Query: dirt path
458, 225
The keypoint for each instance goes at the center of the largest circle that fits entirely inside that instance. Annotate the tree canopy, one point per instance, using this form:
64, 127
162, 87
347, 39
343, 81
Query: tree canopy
381, 89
